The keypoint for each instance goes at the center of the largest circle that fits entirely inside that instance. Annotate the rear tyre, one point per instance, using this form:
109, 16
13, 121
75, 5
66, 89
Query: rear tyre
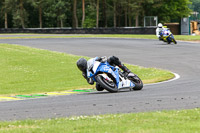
137, 81
109, 86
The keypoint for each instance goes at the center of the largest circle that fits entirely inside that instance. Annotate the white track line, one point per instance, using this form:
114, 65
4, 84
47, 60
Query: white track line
177, 76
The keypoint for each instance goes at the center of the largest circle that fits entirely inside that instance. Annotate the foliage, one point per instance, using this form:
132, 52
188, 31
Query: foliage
56, 10
195, 5
168, 9
120, 13
90, 20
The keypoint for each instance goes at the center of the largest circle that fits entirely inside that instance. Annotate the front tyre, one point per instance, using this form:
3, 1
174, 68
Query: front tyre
108, 85
174, 41
137, 81
98, 87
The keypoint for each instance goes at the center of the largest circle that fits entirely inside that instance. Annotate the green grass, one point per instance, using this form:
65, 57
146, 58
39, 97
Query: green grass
177, 37
187, 38
185, 121
28, 70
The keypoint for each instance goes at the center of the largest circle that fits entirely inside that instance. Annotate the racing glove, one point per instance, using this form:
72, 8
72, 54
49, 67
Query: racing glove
124, 68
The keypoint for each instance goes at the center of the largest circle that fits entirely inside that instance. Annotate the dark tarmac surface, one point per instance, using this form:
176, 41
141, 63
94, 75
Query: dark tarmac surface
184, 93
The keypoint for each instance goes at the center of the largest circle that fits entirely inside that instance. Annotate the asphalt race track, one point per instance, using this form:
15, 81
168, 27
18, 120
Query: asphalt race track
184, 93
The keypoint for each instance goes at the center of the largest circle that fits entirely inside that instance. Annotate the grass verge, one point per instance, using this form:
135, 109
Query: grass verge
177, 37
28, 70
185, 121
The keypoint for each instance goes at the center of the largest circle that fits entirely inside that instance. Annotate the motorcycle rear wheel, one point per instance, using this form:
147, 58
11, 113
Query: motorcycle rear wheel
109, 86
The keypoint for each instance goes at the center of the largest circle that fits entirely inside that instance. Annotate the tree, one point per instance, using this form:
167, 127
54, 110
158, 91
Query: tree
97, 15
75, 19
1, 14
137, 10
60, 6
83, 13
171, 9
20, 15
124, 6
195, 6
90, 11
104, 13
115, 13
137, 13
100, 13
39, 4
129, 13
5, 9
56, 10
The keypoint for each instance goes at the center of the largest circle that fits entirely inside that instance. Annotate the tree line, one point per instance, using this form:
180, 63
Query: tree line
88, 13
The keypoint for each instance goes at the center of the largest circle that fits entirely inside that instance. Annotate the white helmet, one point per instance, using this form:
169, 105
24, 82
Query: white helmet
160, 25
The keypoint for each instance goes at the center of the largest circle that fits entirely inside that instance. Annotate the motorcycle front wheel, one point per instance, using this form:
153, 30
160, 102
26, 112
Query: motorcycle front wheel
108, 85
137, 81
98, 87
174, 41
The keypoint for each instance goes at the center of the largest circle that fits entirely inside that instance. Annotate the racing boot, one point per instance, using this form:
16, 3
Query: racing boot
89, 80
84, 75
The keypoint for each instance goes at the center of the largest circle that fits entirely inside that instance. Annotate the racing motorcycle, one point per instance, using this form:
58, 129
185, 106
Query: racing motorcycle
167, 36
111, 78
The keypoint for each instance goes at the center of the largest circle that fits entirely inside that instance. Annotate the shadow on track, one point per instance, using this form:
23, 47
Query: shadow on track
106, 92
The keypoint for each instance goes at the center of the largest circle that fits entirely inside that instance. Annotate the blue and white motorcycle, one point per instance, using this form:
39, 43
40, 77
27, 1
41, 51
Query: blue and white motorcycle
111, 78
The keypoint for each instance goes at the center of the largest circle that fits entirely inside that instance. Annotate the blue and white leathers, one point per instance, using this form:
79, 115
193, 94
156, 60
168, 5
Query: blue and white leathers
95, 67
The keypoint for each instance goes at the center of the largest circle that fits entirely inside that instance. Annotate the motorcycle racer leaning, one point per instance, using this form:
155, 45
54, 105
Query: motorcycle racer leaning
159, 29
112, 60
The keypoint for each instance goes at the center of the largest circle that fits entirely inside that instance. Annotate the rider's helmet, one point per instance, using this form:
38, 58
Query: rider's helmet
82, 64
160, 25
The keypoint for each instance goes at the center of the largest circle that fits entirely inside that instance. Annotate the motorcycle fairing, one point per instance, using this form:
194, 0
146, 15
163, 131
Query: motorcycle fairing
107, 68
167, 35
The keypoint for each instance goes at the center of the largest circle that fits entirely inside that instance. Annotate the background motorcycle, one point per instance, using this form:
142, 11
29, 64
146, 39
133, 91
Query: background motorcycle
167, 36
111, 78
